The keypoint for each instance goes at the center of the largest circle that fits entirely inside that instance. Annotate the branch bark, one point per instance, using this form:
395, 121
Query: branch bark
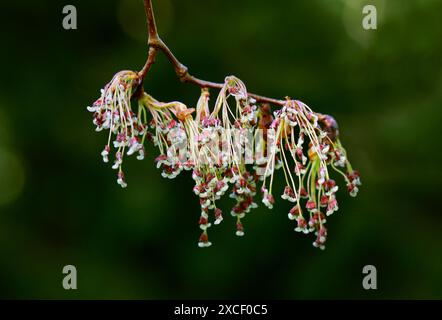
156, 44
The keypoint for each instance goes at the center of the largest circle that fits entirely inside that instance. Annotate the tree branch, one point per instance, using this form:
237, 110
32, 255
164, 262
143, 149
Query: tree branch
156, 44
151, 24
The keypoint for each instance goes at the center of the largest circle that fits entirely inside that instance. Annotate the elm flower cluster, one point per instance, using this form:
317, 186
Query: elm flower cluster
231, 149
113, 112
308, 146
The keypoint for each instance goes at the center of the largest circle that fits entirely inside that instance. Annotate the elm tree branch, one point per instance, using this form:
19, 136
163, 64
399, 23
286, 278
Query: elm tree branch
156, 44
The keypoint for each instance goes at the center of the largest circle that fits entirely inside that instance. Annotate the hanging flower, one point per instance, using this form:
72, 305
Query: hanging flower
113, 112
215, 145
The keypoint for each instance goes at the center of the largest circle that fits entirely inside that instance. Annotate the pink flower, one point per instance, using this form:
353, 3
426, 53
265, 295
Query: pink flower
324, 200
218, 216
289, 194
105, 153
321, 237
302, 225
204, 240
121, 180
352, 189
332, 206
294, 212
239, 229
311, 206
134, 146
354, 178
268, 199
118, 160
303, 193
204, 222
141, 153
330, 187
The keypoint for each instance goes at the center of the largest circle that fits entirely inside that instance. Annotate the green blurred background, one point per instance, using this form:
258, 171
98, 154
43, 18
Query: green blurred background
59, 204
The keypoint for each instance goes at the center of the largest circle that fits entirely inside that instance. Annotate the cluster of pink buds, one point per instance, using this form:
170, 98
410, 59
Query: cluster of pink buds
267, 198
113, 112
213, 151
307, 145
353, 181
214, 144
210, 186
243, 191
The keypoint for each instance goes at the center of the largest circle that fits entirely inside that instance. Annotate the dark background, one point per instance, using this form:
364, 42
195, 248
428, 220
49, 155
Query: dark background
59, 204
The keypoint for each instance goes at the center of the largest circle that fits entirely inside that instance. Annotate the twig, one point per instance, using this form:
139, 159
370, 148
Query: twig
157, 44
